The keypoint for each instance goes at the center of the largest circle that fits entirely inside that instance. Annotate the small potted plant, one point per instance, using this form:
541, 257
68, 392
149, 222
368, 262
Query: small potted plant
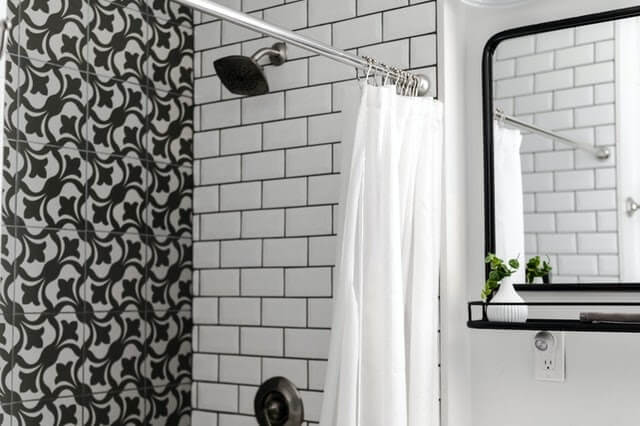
538, 270
499, 289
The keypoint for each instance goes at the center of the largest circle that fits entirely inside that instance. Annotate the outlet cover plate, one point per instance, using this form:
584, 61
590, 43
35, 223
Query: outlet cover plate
549, 364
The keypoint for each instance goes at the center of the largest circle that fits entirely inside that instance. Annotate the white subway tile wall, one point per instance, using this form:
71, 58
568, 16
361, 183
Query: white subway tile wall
267, 190
564, 81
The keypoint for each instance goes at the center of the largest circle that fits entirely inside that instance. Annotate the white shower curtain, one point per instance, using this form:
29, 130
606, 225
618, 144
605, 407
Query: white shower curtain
509, 205
383, 361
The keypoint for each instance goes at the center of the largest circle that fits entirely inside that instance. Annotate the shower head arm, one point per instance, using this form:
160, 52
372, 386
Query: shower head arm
277, 54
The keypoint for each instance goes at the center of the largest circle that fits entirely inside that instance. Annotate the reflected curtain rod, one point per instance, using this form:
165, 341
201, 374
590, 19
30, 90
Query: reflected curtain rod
600, 153
242, 19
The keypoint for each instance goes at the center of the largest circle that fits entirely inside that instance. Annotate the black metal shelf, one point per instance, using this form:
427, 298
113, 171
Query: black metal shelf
556, 325
553, 324
604, 287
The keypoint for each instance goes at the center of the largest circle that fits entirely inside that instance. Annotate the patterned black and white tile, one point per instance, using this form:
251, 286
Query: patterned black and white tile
49, 269
116, 193
115, 408
169, 405
170, 59
115, 272
50, 186
47, 356
168, 356
52, 104
168, 210
117, 117
11, 91
170, 10
118, 41
55, 31
66, 411
95, 243
169, 263
113, 347
171, 127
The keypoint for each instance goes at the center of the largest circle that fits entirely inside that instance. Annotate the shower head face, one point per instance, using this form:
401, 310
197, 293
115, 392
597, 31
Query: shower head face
241, 75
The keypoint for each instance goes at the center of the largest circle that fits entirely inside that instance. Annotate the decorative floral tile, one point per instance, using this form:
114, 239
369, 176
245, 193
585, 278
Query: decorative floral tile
171, 125
7, 330
8, 182
61, 411
13, 13
169, 207
51, 186
7, 270
116, 193
118, 40
5, 414
117, 116
115, 272
171, 10
12, 73
168, 283
168, 356
169, 405
49, 270
170, 59
55, 31
114, 344
115, 408
90, 301
52, 104
47, 355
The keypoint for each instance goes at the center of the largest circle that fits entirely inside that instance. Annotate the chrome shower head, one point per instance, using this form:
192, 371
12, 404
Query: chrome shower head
244, 75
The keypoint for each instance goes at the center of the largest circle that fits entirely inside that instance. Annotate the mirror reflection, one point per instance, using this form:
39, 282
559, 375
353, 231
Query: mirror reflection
567, 151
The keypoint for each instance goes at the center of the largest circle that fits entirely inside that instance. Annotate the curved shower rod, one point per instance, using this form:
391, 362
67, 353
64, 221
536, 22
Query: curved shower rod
248, 21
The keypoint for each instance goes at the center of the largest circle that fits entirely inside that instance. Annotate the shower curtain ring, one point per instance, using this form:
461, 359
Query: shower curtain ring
405, 85
394, 70
375, 72
369, 61
387, 73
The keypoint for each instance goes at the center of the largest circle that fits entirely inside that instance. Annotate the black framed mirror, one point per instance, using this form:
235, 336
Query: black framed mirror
565, 94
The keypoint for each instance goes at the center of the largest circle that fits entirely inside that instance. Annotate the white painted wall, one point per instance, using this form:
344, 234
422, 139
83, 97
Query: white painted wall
603, 372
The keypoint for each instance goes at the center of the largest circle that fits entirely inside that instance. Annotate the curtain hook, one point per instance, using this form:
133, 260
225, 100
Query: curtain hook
405, 83
366, 78
375, 72
396, 76
386, 77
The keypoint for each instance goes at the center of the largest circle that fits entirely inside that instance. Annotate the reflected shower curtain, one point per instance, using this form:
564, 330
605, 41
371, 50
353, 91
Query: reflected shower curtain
509, 204
383, 360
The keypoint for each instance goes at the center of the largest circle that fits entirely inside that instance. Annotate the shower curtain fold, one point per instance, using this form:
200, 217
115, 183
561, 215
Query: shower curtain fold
383, 360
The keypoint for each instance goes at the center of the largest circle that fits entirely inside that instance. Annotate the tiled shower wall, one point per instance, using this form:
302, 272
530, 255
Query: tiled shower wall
564, 81
266, 171
95, 327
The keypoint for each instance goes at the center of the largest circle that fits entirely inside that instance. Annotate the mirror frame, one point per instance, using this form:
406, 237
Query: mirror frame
487, 101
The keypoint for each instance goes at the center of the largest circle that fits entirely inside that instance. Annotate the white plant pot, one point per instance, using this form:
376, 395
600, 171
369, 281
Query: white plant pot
507, 313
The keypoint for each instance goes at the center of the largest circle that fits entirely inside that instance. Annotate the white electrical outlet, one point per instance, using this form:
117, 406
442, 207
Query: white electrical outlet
548, 357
